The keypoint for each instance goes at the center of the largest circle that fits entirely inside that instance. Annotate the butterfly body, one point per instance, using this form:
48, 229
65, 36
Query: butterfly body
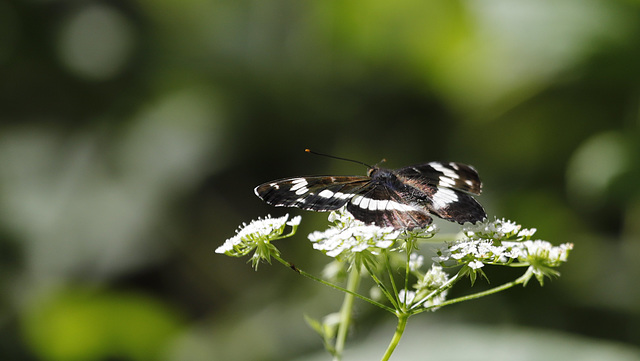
400, 198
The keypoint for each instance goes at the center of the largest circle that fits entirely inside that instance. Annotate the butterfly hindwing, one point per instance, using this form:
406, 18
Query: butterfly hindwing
446, 188
385, 207
450, 175
464, 209
452, 205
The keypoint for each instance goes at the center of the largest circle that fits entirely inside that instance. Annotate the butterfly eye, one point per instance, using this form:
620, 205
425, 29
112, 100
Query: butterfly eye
371, 171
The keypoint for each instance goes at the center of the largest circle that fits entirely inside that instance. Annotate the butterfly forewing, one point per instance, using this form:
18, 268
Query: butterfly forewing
319, 193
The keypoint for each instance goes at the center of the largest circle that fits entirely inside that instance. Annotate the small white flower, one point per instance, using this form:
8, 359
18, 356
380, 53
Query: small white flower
526, 233
228, 245
375, 293
435, 278
342, 218
295, 221
415, 233
505, 227
406, 297
476, 265
435, 301
415, 261
333, 270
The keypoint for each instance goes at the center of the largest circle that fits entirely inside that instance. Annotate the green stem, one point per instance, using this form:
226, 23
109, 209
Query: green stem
452, 281
329, 284
395, 300
402, 323
345, 312
521, 280
406, 280
383, 288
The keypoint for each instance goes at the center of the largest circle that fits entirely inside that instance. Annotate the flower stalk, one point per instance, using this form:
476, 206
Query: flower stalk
402, 324
345, 312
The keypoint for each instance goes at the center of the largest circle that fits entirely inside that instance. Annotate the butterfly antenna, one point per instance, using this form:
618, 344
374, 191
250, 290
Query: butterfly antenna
334, 157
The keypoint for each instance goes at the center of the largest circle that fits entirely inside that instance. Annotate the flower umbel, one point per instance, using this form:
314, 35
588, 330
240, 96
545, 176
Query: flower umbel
541, 256
348, 237
498, 230
502, 242
429, 288
258, 235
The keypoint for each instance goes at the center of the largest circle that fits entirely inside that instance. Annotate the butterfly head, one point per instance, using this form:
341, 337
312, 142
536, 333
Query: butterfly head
374, 169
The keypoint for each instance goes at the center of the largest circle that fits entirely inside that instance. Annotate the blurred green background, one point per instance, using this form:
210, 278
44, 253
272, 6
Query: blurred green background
133, 132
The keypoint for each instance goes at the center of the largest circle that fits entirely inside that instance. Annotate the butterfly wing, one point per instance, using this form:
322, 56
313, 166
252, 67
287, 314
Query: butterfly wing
452, 175
385, 207
455, 206
319, 193
445, 188
403, 198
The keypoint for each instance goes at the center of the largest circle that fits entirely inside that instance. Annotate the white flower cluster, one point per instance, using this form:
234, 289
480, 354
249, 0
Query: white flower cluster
415, 261
540, 252
502, 242
426, 289
406, 297
349, 236
475, 253
256, 233
498, 230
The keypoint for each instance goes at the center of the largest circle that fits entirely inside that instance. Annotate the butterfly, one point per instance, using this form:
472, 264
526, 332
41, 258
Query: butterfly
403, 198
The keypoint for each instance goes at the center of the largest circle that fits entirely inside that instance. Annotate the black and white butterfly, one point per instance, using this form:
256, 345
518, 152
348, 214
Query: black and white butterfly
402, 198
